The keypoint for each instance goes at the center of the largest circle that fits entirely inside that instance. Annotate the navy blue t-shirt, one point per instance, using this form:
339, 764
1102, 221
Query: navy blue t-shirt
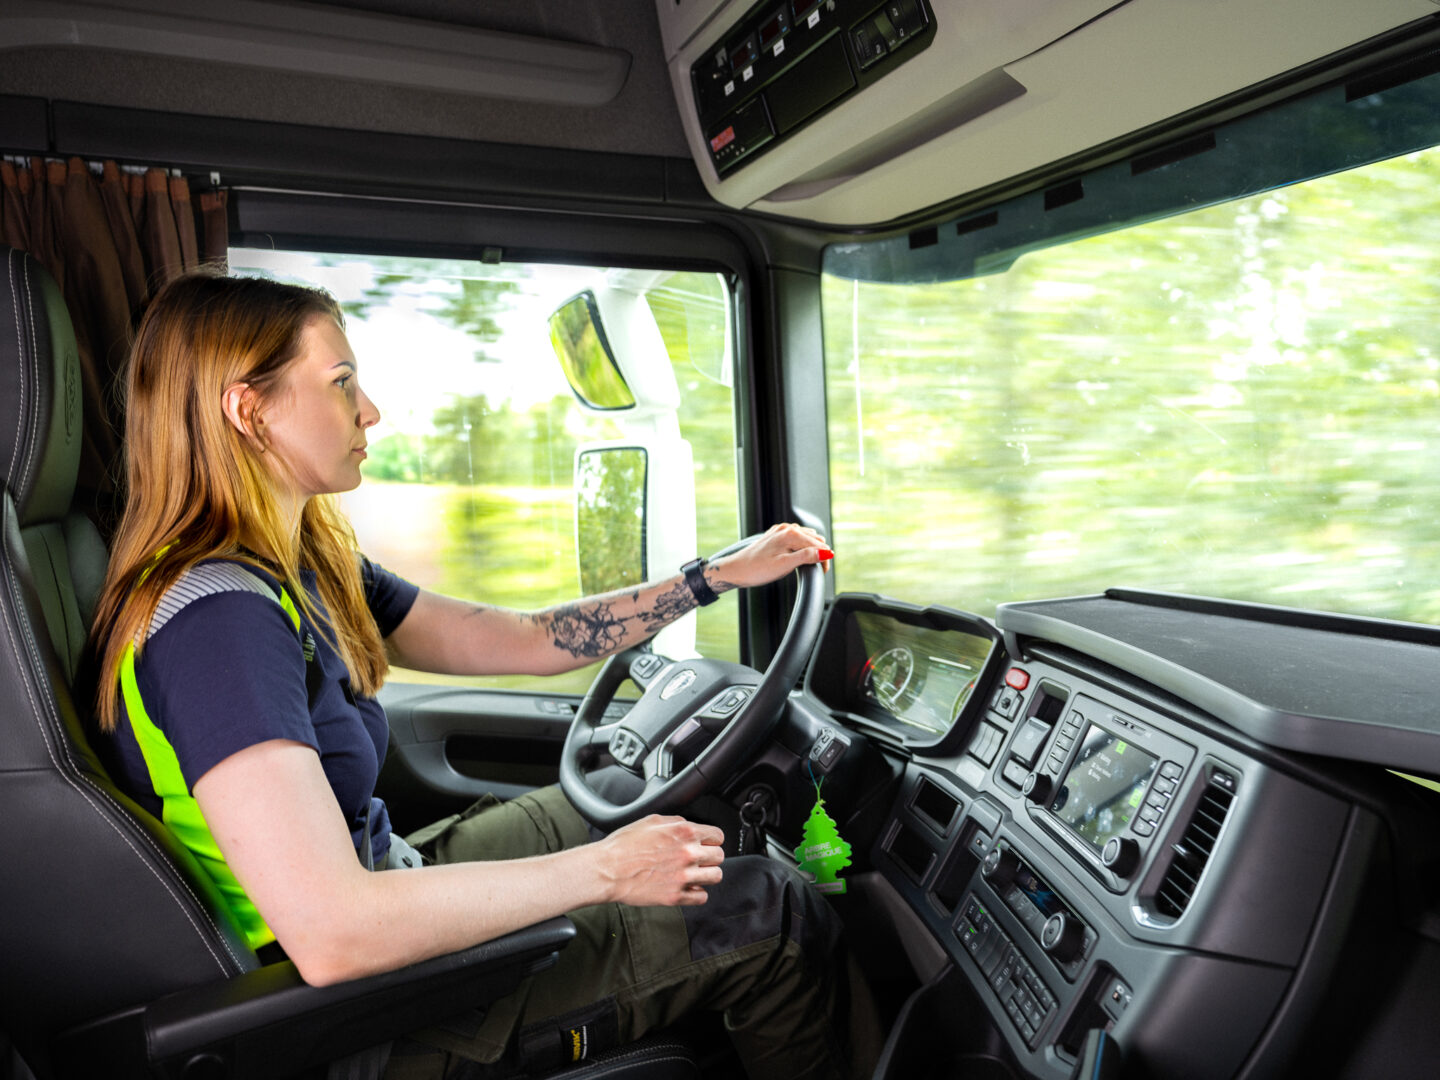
228, 671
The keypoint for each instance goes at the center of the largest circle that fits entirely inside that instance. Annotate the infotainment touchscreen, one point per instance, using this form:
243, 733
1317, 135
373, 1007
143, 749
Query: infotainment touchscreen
1105, 786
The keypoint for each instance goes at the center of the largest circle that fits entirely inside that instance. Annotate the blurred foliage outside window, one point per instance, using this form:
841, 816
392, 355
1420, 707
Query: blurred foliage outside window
468, 486
611, 493
1242, 401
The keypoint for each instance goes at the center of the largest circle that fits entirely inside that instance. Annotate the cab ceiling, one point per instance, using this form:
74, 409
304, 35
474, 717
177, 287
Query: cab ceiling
1079, 74
639, 119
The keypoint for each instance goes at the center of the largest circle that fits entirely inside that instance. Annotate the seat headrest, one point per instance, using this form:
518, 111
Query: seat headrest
40, 405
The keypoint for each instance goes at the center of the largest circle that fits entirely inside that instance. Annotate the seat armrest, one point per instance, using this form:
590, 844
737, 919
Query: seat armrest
270, 1023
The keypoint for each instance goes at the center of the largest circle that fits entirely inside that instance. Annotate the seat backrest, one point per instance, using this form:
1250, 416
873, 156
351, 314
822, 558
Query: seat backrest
100, 908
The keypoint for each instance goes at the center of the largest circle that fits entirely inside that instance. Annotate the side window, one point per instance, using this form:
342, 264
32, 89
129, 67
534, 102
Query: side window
468, 489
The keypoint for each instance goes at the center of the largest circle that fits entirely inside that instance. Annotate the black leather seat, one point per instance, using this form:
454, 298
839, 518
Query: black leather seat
115, 957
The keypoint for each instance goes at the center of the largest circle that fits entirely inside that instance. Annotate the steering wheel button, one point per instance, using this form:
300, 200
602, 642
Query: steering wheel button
626, 747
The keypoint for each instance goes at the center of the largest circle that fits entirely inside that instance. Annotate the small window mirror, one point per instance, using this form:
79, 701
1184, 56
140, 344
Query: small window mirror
578, 336
610, 517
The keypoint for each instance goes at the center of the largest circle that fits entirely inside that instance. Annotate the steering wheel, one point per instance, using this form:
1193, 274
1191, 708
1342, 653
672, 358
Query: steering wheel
684, 700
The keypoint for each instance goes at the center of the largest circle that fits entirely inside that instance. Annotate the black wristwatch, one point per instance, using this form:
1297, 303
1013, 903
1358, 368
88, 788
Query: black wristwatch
694, 572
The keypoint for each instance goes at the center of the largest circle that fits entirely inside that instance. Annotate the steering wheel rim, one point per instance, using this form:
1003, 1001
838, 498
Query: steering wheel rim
701, 685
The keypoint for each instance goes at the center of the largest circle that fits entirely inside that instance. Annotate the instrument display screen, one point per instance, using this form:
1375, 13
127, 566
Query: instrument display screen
1105, 787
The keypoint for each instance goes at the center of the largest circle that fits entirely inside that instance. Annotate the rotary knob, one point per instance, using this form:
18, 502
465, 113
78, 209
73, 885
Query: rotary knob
1000, 867
1063, 937
1037, 788
1121, 854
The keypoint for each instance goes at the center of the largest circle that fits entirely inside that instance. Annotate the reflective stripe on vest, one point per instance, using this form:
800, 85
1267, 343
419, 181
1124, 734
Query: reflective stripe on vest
179, 810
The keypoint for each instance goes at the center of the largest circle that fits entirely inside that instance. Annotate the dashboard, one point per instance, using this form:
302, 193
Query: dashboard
1142, 814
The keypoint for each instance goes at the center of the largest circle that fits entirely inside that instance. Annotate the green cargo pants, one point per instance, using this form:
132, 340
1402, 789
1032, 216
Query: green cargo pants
764, 950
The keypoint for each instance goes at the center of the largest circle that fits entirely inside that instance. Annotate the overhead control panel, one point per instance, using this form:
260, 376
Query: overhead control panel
789, 61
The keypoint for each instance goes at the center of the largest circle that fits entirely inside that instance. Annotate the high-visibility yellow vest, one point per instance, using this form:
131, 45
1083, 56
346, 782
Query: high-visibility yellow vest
179, 810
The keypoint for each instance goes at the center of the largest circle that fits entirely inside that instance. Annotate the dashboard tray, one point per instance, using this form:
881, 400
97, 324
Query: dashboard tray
1336, 685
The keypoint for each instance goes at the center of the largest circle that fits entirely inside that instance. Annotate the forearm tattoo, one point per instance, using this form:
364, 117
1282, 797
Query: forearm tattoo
669, 606
591, 630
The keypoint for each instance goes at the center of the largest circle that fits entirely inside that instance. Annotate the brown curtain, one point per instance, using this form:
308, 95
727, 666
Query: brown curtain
110, 240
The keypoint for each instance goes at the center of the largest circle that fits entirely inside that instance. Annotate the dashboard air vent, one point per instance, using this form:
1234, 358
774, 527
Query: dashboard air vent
1194, 849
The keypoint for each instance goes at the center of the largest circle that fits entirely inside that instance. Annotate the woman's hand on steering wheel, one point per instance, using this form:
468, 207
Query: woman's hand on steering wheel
699, 721
772, 555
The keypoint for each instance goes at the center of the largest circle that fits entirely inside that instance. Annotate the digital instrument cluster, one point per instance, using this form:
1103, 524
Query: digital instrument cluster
911, 671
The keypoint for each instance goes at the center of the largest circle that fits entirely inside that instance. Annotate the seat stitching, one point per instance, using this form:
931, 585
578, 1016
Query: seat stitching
67, 660
31, 653
35, 419
20, 358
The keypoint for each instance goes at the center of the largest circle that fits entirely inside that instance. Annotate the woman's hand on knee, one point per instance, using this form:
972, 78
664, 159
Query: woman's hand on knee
660, 861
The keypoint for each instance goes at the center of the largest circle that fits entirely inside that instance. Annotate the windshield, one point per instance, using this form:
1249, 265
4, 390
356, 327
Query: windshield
1240, 401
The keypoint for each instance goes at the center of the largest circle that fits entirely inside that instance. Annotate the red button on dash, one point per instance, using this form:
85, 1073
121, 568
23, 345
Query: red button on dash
1017, 678
724, 139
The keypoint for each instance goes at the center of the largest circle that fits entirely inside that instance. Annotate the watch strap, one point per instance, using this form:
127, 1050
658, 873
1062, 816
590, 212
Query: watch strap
694, 572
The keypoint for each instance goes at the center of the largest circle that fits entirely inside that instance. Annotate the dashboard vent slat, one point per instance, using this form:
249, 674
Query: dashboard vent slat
1193, 851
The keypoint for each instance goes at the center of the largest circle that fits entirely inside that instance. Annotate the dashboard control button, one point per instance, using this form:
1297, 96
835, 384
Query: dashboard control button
1121, 854
992, 953
970, 938
1028, 741
1063, 937
1170, 770
1143, 828
1018, 678
1008, 704
869, 44
1015, 772
986, 743
1037, 788
1000, 867
1150, 814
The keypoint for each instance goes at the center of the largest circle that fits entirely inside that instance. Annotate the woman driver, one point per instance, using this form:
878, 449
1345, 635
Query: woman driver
241, 639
